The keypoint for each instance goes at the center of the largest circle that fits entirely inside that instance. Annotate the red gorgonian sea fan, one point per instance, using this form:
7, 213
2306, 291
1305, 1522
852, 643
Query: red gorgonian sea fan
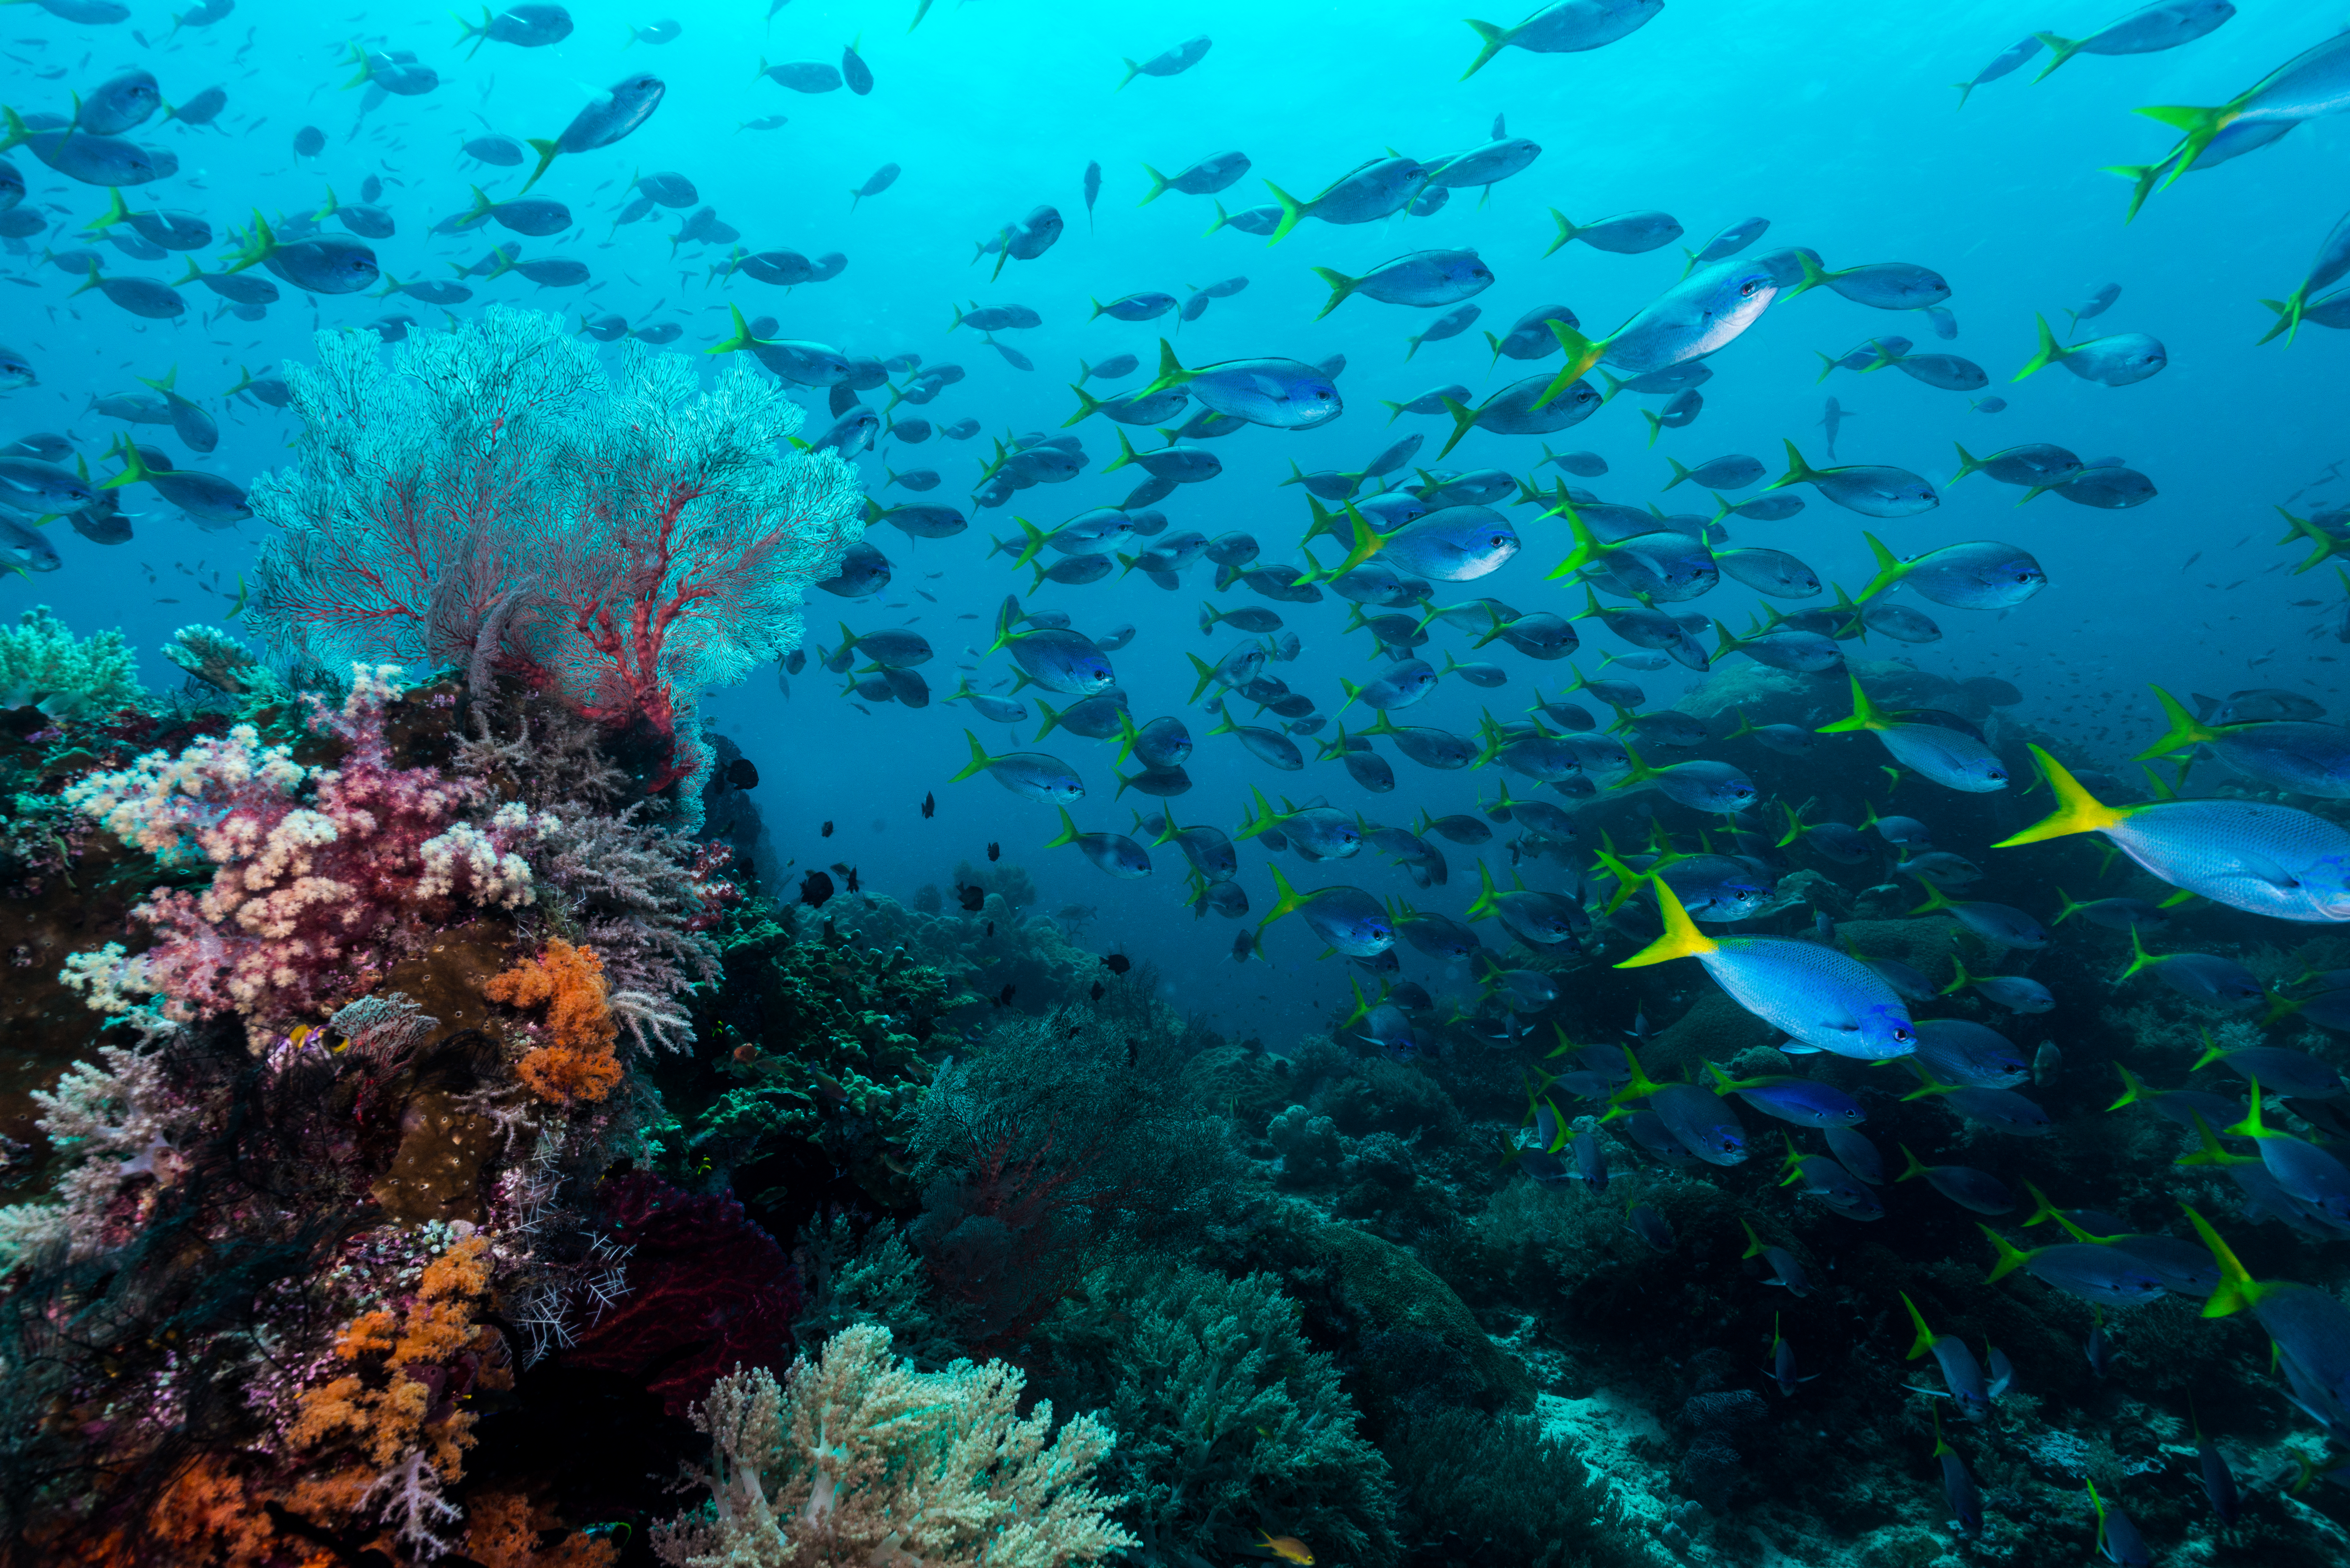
490, 494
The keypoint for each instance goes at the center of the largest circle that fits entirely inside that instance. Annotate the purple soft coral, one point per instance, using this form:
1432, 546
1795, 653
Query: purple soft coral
308, 895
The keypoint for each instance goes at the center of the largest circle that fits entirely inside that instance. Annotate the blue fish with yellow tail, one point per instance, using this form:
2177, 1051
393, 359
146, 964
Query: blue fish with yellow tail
1349, 920
2310, 1329
2249, 854
1824, 998
1962, 1375
2101, 1275
1951, 758
2283, 753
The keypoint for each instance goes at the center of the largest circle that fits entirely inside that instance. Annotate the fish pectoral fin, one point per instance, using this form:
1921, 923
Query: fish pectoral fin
2262, 868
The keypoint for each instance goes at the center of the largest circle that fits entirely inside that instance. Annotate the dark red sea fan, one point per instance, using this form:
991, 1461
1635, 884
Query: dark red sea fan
708, 1290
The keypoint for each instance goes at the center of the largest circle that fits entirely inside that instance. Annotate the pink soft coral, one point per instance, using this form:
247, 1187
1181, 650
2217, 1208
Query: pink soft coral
309, 896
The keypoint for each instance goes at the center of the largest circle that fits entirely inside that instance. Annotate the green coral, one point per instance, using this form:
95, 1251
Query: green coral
1503, 1490
44, 665
837, 1058
1228, 1425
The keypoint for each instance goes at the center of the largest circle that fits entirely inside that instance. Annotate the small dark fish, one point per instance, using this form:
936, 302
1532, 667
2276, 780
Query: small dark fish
931, 804
1117, 963
741, 774
973, 899
1004, 997
826, 831
994, 850
815, 888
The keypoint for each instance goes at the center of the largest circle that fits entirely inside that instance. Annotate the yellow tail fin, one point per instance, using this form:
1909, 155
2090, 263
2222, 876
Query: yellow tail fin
1682, 938
2077, 811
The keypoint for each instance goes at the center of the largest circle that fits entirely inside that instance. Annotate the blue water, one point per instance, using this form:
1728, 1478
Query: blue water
1837, 122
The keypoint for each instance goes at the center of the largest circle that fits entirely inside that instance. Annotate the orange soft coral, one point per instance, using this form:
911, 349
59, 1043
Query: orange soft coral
578, 1068
502, 1531
382, 1418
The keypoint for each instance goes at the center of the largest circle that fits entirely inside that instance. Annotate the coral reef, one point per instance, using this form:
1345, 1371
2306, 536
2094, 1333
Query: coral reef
1229, 1426
321, 875
432, 1130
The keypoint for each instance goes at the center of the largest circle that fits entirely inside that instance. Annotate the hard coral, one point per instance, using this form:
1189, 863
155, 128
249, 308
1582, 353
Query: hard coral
309, 896
579, 1066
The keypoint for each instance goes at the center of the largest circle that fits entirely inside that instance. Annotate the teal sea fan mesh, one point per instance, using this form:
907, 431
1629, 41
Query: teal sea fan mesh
629, 538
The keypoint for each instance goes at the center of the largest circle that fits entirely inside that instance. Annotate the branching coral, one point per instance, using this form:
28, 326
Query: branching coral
837, 1058
319, 873
43, 665
663, 540
859, 1459
1227, 1423
578, 1066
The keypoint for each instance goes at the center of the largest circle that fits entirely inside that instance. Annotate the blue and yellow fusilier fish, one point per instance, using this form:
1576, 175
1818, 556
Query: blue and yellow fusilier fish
2247, 855
1949, 757
2310, 1328
1349, 920
2283, 753
1962, 1375
1825, 1000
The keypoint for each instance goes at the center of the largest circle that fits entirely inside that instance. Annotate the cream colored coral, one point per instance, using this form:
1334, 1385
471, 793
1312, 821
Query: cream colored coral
861, 1460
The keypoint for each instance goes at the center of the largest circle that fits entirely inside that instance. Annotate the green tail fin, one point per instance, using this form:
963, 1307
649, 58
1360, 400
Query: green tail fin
1925, 1336
1339, 285
1566, 230
1463, 421
1798, 471
1582, 354
1865, 714
2060, 49
2185, 734
1492, 40
2288, 316
979, 758
1292, 212
2195, 126
547, 152
2238, 1289
2050, 351
2011, 1257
